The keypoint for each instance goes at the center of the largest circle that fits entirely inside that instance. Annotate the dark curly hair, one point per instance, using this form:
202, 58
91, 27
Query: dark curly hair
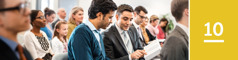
103, 6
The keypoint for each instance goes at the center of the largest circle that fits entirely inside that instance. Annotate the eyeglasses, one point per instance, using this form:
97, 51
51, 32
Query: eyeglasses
21, 8
142, 17
41, 17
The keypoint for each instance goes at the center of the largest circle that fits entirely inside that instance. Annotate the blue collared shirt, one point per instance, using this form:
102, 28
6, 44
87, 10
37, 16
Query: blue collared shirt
11, 44
95, 31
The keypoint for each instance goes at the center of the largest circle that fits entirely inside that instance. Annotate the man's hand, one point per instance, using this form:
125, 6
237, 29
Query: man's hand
138, 54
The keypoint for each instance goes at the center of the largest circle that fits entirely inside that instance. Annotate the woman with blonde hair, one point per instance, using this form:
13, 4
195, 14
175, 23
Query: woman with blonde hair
75, 18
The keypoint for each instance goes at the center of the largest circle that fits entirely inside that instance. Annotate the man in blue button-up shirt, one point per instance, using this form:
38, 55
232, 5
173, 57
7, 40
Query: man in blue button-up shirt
85, 42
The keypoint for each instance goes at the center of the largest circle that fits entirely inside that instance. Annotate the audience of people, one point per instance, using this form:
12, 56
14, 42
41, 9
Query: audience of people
78, 40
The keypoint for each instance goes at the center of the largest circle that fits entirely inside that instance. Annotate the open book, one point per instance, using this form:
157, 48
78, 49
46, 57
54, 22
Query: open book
152, 49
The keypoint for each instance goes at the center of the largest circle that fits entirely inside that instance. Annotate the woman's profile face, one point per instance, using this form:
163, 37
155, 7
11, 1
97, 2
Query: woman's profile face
50, 18
78, 17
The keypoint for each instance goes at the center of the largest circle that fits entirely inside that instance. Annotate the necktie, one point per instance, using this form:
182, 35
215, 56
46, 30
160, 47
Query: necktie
21, 54
127, 43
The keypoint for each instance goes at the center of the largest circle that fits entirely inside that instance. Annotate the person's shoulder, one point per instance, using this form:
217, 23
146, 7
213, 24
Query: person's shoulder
175, 40
110, 29
45, 29
109, 32
44, 34
28, 33
28, 36
82, 28
55, 39
70, 24
132, 28
56, 21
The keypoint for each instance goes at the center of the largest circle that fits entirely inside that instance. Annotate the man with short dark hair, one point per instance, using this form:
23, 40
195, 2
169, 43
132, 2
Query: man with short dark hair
85, 42
119, 42
176, 45
140, 16
14, 18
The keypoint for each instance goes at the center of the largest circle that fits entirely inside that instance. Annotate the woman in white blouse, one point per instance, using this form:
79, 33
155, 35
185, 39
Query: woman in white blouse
59, 42
36, 41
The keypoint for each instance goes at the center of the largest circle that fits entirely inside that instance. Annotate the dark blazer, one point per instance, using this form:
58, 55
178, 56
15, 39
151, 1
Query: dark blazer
83, 45
134, 32
7, 54
151, 37
176, 46
54, 23
114, 45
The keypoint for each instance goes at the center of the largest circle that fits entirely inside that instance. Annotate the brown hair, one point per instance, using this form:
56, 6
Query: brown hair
140, 8
177, 8
48, 11
57, 26
124, 7
74, 11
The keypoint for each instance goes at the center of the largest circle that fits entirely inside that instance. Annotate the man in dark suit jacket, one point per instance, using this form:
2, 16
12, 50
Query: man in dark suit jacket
135, 32
140, 16
176, 45
6, 52
120, 43
10, 49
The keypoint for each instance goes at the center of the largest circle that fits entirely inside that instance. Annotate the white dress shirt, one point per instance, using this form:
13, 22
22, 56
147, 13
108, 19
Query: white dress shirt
120, 31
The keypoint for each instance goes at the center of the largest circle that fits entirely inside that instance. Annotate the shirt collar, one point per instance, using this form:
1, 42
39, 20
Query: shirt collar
10, 43
134, 23
119, 29
184, 28
91, 26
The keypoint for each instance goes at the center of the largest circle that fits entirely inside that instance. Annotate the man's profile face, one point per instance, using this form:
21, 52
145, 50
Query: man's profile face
107, 19
62, 13
15, 20
140, 17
